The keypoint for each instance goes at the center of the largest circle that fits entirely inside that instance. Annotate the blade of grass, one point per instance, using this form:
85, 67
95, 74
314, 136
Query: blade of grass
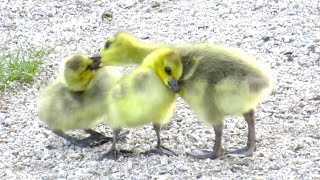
21, 65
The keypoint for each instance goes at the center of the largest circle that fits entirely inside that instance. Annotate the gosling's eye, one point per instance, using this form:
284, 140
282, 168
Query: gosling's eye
89, 68
108, 44
168, 70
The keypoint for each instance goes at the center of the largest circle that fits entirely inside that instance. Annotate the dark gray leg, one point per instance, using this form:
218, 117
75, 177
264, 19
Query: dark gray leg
157, 128
159, 149
114, 153
98, 135
95, 138
65, 136
251, 143
217, 148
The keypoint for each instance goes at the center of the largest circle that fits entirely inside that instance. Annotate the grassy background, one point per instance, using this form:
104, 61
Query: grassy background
20, 65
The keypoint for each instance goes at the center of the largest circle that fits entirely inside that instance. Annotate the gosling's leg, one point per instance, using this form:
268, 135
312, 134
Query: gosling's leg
160, 149
217, 148
114, 153
97, 139
251, 143
72, 140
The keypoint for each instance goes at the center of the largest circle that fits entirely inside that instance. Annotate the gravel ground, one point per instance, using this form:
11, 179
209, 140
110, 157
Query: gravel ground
284, 34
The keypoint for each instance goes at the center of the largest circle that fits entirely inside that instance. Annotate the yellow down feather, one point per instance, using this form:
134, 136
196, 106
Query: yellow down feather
145, 95
74, 100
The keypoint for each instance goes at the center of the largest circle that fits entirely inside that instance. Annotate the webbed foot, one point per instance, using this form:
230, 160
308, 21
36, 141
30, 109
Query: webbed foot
97, 139
161, 150
204, 154
244, 152
114, 154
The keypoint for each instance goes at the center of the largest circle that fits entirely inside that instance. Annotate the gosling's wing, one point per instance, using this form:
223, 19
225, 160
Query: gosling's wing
57, 105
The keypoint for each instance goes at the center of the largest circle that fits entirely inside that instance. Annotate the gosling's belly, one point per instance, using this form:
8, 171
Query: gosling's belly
225, 98
235, 103
136, 116
233, 96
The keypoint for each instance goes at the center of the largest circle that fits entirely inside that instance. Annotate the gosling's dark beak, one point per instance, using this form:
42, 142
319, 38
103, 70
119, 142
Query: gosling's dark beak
96, 62
174, 85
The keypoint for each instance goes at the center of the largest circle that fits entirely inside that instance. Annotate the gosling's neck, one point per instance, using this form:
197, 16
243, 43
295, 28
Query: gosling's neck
142, 50
76, 84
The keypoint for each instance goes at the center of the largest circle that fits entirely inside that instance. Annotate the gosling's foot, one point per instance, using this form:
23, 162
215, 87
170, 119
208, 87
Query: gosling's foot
161, 150
72, 140
204, 154
97, 139
114, 154
92, 141
123, 136
244, 152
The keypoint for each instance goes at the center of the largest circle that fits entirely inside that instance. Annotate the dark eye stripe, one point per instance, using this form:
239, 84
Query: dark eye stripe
107, 45
168, 70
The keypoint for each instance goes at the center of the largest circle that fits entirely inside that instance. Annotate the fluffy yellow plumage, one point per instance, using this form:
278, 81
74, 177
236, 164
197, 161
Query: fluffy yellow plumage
73, 100
217, 81
146, 95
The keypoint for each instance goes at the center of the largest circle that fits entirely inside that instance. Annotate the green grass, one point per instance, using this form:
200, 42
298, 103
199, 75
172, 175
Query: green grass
20, 65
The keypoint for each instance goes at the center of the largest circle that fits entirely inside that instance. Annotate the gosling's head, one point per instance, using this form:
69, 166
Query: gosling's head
118, 48
79, 70
168, 66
